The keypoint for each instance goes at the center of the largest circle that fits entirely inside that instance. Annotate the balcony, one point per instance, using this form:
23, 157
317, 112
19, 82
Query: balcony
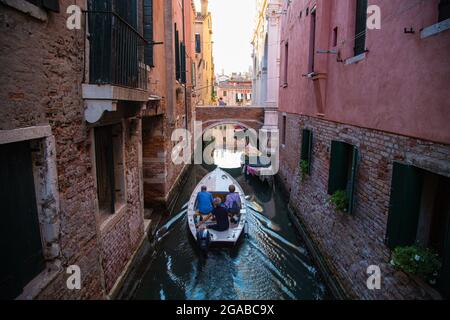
115, 63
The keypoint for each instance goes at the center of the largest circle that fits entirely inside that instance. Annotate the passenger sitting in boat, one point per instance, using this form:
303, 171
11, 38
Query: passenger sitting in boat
233, 204
204, 203
221, 215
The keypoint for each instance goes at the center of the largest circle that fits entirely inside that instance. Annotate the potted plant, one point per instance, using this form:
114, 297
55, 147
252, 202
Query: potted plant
417, 261
304, 168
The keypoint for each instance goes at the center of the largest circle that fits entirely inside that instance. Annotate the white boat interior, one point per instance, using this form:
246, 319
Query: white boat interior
217, 183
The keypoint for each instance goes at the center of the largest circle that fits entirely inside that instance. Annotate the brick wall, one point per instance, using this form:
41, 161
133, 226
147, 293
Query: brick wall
350, 244
122, 235
42, 65
42, 72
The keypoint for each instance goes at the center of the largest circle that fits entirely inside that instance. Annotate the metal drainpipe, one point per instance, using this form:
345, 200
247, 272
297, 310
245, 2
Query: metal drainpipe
185, 67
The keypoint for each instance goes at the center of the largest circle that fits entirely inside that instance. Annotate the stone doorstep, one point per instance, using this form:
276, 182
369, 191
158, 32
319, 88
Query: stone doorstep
120, 280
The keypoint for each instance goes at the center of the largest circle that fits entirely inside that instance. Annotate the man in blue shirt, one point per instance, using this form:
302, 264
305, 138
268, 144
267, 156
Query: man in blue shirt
204, 202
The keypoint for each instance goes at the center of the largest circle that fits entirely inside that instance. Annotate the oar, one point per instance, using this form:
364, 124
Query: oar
255, 206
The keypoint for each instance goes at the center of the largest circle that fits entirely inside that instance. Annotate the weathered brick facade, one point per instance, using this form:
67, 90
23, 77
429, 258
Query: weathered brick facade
351, 243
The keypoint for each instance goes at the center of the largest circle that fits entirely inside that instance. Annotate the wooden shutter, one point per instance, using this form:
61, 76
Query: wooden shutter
148, 32
352, 181
444, 281
361, 25
51, 5
177, 54
307, 147
183, 62
104, 158
338, 174
404, 208
444, 10
21, 255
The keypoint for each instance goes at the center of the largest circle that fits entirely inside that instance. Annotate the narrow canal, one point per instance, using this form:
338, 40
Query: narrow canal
271, 261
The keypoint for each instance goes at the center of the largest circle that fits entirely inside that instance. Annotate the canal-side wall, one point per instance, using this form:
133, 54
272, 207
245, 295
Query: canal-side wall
40, 85
351, 243
42, 65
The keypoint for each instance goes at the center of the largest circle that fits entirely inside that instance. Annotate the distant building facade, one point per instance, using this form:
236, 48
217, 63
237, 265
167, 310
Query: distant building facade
204, 63
363, 117
236, 91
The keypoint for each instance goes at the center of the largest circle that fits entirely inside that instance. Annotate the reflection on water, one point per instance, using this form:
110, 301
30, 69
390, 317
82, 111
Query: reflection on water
271, 262
227, 159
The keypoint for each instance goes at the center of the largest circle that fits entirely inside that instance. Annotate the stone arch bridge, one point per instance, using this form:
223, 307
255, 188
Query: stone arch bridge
211, 116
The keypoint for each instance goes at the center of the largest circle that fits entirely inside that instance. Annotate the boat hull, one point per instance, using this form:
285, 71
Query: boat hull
217, 183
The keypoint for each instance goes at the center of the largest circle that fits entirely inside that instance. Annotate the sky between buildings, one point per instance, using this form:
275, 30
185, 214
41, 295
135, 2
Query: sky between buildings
233, 23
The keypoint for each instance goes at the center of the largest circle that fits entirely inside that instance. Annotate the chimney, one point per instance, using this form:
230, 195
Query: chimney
204, 8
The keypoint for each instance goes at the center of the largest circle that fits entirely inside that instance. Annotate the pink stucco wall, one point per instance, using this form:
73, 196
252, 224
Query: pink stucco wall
403, 84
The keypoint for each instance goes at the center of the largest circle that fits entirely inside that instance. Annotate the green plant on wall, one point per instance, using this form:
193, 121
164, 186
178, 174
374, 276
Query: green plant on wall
304, 168
340, 200
418, 261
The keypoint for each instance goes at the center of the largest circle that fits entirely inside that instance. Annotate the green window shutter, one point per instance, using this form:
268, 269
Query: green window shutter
404, 208
22, 256
148, 32
338, 174
177, 54
352, 182
198, 43
104, 157
183, 62
361, 25
444, 10
307, 147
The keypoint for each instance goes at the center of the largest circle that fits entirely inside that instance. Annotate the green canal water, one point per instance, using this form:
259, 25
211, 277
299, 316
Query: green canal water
270, 262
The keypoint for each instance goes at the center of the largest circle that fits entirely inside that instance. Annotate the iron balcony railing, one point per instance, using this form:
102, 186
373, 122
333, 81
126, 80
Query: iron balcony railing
116, 51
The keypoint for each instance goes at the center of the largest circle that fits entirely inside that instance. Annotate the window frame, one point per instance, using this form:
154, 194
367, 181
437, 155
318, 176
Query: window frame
306, 148
116, 175
343, 171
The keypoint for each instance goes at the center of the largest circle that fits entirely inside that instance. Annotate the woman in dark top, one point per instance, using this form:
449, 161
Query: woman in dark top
220, 214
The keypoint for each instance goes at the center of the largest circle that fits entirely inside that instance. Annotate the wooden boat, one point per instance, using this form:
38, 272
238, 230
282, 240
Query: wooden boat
217, 183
